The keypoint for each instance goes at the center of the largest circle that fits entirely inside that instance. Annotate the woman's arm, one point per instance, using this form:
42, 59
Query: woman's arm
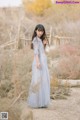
37, 61
36, 52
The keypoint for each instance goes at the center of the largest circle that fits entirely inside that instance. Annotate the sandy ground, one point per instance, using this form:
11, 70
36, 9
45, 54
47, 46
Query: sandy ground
61, 109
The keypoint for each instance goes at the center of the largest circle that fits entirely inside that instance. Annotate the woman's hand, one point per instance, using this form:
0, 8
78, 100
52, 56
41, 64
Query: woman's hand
45, 42
38, 65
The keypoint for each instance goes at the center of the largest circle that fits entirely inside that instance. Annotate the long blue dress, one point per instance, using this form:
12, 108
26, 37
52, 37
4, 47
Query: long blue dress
39, 91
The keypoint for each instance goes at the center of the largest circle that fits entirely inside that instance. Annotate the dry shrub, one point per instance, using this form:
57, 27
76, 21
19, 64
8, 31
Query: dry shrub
16, 85
5, 73
69, 68
69, 49
54, 82
67, 64
59, 91
22, 71
5, 87
6, 65
13, 114
15, 71
17, 111
4, 103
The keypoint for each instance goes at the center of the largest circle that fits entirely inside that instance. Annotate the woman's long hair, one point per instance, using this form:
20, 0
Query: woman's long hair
39, 27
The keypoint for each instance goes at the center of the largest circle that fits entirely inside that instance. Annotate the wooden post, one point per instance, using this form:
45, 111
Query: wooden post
50, 35
56, 41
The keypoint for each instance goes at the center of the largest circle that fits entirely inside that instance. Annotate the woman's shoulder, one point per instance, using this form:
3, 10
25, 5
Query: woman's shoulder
36, 40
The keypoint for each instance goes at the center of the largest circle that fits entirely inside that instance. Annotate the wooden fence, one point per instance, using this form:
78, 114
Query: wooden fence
53, 40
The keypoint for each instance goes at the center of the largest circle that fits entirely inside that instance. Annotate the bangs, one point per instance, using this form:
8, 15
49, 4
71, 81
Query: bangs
40, 29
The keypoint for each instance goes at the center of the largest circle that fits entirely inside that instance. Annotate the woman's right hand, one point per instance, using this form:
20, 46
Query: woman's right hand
38, 65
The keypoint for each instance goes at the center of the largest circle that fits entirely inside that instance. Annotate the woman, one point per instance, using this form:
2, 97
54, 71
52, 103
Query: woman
39, 91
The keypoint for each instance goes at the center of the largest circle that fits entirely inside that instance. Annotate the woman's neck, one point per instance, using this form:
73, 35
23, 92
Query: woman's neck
38, 36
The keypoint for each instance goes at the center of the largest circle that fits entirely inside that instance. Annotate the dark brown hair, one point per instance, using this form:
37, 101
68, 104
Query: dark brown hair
39, 27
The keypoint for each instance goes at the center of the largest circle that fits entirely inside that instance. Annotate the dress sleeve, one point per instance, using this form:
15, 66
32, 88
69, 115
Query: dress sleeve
35, 46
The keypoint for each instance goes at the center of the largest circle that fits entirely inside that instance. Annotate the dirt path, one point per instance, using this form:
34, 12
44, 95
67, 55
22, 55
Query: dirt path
61, 109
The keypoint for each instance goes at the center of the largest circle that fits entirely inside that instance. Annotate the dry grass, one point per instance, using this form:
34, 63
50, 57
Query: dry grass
64, 61
59, 91
18, 111
19, 76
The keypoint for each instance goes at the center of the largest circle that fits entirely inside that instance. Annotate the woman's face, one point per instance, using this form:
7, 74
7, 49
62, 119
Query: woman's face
39, 33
